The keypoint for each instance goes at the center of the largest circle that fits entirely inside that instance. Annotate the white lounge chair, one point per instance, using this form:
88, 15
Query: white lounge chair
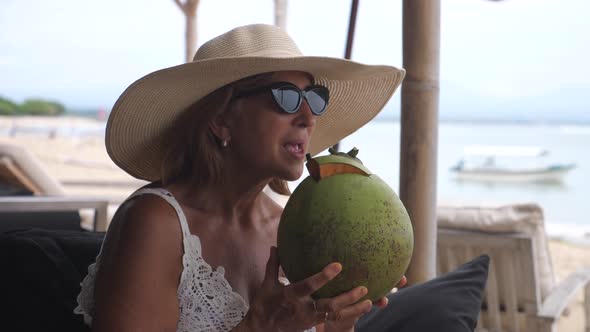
20, 168
521, 294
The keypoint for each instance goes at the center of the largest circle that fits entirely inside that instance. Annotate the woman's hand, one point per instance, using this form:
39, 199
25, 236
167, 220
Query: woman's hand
290, 308
382, 302
345, 319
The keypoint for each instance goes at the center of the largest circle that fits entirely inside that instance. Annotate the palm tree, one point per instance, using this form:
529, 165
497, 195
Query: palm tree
189, 9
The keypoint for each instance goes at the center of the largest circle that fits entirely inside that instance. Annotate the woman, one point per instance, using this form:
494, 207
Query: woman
195, 249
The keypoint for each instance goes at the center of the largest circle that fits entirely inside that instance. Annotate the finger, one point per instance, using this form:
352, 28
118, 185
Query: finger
403, 281
382, 302
343, 300
354, 311
272, 267
311, 284
320, 316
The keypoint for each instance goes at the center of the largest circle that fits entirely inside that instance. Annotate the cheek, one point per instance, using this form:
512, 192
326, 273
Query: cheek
310, 132
258, 126
258, 135
270, 125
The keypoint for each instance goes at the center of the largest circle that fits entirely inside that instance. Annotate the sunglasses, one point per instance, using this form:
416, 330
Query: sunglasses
289, 97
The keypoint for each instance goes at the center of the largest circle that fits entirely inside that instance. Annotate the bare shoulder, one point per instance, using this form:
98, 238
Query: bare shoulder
144, 219
146, 227
140, 267
149, 215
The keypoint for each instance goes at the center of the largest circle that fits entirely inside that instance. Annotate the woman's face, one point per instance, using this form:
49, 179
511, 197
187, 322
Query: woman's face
266, 140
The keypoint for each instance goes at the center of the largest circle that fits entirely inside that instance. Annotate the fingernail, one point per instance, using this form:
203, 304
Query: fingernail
336, 268
364, 291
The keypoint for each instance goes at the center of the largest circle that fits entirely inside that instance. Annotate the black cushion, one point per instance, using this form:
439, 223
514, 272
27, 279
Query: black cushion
41, 275
69, 220
449, 303
42, 271
55, 220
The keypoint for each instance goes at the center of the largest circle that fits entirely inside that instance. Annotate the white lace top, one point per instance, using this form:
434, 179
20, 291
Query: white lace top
207, 301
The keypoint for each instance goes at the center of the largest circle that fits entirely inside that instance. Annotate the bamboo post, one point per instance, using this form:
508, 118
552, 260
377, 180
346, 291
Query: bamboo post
419, 131
189, 9
281, 14
349, 41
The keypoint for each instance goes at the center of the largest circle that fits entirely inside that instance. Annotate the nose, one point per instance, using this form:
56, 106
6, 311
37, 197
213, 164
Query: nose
304, 117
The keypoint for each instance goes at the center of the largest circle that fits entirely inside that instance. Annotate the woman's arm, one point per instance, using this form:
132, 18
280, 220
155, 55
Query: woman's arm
141, 264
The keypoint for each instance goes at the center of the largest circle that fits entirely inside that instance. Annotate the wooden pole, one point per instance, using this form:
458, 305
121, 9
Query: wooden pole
281, 14
191, 34
351, 27
419, 130
189, 9
349, 41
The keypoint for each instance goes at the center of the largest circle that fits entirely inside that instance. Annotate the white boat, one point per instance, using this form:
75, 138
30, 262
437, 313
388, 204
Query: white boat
509, 164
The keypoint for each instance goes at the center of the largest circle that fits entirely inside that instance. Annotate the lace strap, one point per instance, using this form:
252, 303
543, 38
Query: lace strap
167, 196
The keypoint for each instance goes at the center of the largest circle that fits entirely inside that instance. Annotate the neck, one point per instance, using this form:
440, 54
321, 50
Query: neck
237, 199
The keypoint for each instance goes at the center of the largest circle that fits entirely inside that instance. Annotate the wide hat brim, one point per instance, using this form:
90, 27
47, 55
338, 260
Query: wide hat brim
149, 106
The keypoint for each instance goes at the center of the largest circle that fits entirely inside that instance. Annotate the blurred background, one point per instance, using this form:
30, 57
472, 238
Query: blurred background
512, 74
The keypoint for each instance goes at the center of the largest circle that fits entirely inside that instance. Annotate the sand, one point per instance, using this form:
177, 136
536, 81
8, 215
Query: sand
566, 258
83, 167
79, 162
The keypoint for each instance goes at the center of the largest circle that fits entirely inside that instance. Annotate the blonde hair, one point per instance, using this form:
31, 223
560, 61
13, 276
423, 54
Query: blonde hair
193, 149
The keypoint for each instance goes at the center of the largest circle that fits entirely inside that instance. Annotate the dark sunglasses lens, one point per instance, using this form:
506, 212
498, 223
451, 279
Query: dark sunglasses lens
288, 98
317, 99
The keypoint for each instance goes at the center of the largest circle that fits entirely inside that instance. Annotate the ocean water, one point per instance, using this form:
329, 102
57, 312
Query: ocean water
566, 204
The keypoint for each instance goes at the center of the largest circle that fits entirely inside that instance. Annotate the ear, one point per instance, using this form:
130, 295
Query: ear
219, 126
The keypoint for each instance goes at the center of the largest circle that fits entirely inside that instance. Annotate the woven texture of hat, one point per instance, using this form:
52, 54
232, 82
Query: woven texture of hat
147, 108
257, 40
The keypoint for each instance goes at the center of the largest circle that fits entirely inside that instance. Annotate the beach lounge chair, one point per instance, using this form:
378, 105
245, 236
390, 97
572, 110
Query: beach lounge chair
44, 252
31, 197
521, 294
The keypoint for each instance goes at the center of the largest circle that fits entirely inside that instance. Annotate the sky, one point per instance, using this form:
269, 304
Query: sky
498, 59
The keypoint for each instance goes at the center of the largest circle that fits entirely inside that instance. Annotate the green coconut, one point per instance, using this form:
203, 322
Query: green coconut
344, 213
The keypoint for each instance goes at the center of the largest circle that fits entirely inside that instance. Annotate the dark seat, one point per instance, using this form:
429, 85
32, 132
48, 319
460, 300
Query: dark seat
64, 220
51, 220
41, 275
22, 174
42, 271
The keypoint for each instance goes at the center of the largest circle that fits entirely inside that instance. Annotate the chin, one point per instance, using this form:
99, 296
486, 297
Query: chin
292, 174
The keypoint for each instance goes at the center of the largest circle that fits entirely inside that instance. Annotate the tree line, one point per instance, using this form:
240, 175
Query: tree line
32, 106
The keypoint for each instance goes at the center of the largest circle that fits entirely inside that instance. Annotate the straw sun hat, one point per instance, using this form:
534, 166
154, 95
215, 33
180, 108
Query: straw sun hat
149, 106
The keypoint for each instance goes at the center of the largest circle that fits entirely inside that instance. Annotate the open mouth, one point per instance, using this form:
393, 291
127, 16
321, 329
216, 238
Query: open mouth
295, 149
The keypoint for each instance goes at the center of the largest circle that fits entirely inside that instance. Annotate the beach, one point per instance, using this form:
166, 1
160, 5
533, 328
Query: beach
72, 150
566, 258
77, 159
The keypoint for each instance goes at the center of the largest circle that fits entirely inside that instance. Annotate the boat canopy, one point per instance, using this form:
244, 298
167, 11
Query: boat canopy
512, 151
